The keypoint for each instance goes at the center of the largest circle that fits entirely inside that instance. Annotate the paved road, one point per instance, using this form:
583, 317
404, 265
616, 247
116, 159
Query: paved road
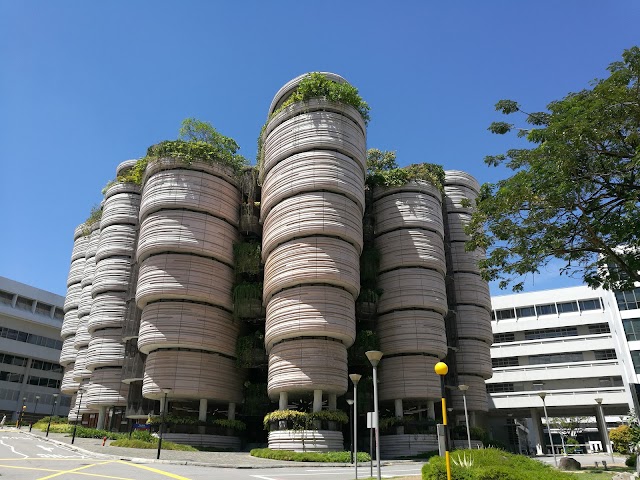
24, 457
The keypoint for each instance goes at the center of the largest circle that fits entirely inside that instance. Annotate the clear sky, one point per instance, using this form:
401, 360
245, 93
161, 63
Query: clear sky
85, 85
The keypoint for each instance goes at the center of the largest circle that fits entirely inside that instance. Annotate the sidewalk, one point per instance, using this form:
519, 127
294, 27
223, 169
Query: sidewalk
93, 446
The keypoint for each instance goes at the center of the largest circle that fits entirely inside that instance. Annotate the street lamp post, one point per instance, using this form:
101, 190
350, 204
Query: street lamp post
53, 407
22, 409
35, 409
442, 369
604, 425
543, 395
374, 357
463, 389
355, 378
164, 416
75, 426
350, 402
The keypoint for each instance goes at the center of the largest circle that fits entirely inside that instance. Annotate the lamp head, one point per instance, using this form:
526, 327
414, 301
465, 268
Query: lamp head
55, 395
464, 388
598, 401
37, 397
441, 368
542, 395
374, 357
166, 391
355, 378
350, 401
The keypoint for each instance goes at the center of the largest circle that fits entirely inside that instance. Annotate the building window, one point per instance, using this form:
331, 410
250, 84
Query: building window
631, 328
500, 387
605, 354
548, 309
13, 360
505, 314
539, 386
8, 394
43, 309
30, 338
567, 307
592, 304
58, 314
6, 298
551, 333
635, 358
526, 311
43, 382
505, 362
46, 366
24, 303
629, 300
503, 337
556, 358
599, 328
11, 377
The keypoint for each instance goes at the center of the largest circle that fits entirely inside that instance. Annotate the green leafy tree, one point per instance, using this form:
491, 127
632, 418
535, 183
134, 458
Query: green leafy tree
623, 438
574, 195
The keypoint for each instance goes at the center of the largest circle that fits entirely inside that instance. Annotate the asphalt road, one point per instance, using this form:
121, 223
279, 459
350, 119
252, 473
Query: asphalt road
26, 458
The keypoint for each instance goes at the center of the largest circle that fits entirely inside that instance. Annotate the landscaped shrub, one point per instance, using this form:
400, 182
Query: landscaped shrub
491, 464
137, 443
288, 455
631, 460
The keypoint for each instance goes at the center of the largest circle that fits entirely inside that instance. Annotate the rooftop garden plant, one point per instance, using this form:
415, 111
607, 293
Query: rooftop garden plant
383, 170
197, 141
316, 85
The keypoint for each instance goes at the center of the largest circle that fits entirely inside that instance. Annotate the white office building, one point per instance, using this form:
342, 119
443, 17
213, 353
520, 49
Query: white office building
30, 344
568, 344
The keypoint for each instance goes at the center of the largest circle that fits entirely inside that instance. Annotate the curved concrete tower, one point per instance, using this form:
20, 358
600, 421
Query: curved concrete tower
112, 279
472, 302
411, 327
69, 386
188, 224
82, 338
311, 208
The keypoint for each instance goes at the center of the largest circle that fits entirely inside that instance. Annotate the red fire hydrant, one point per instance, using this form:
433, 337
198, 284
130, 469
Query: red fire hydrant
104, 440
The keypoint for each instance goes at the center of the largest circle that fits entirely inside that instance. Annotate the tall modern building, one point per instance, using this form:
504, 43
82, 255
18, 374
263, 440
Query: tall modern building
222, 296
30, 343
566, 343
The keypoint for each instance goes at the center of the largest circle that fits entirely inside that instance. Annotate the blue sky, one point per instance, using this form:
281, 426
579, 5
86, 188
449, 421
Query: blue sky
86, 85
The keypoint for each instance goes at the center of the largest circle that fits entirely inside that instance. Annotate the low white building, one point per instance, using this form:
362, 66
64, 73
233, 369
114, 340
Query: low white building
563, 342
30, 344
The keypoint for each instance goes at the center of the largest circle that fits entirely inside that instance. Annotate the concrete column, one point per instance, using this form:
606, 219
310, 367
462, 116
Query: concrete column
202, 411
472, 419
231, 411
333, 401
317, 400
284, 401
431, 409
536, 434
162, 404
399, 414
102, 413
602, 429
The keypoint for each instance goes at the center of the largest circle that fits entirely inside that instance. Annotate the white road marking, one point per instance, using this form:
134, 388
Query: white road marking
48, 449
263, 478
13, 449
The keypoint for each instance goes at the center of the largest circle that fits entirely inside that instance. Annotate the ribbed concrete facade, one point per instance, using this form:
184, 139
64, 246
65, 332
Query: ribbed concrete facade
470, 297
185, 281
150, 311
411, 328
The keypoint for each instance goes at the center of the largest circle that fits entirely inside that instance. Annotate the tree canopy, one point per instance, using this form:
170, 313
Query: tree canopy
574, 194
